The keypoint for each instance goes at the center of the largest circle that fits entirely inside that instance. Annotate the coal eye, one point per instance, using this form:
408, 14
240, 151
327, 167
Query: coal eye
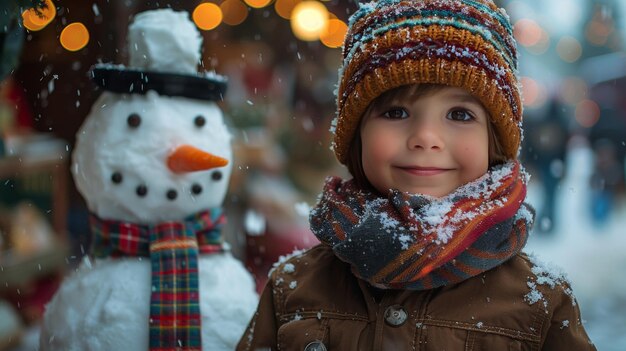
116, 177
133, 120
199, 121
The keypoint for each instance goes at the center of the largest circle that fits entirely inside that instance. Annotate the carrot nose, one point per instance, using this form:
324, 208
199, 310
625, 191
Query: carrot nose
187, 158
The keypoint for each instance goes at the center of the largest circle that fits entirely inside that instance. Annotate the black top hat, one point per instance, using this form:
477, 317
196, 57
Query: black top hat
123, 80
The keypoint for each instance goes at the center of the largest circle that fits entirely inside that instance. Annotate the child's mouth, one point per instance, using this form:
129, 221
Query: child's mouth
424, 171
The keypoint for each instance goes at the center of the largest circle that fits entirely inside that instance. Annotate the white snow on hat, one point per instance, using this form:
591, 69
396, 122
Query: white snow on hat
165, 41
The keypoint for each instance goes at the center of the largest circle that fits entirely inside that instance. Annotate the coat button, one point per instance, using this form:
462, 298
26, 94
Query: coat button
395, 315
315, 346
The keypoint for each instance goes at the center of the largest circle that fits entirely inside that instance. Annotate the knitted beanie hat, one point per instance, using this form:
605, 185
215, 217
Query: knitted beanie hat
460, 43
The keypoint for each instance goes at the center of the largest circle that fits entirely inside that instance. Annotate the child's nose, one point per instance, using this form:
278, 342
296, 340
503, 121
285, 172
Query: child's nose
425, 135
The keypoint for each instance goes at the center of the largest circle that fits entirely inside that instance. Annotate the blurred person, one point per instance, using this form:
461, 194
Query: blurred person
607, 180
610, 127
421, 249
544, 151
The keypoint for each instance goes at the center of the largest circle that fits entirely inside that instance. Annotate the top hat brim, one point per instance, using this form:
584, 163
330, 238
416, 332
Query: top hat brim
133, 81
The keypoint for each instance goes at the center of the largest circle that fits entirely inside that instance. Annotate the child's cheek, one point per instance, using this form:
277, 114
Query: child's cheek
475, 154
380, 146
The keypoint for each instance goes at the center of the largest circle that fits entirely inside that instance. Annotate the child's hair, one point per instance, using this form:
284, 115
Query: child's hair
354, 157
461, 43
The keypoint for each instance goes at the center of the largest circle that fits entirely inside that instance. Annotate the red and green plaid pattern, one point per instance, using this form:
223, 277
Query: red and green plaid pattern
174, 302
173, 247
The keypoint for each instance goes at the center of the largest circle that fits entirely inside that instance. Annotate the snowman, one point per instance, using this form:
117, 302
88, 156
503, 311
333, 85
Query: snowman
152, 161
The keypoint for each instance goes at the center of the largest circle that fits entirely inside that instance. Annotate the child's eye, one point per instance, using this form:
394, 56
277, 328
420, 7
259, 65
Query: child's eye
396, 113
461, 115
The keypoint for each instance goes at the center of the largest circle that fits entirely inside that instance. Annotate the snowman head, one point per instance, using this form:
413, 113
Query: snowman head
154, 147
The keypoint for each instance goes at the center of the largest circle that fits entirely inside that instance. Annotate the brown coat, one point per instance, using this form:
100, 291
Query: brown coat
314, 298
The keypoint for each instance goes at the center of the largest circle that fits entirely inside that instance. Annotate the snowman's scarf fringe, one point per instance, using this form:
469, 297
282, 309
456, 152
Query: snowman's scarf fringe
173, 248
419, 242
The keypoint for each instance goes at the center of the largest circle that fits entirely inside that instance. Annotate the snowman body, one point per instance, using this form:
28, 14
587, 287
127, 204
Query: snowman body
119, 165
105, 305
152, 152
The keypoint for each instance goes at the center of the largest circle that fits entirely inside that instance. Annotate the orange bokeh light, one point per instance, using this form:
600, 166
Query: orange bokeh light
573, 90
34, 22
285, 7
257, 4
28, 24
74, 36
569, 49
534, 92
527, 32
234, 11
587, 113
207, 16
334, 34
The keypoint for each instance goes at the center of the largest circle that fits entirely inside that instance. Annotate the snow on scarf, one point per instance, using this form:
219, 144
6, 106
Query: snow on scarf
418, 242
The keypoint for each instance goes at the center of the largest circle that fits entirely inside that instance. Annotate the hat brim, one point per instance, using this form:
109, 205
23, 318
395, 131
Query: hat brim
133, 81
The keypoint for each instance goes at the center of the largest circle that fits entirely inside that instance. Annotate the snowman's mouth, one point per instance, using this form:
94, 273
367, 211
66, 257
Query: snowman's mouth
171, 194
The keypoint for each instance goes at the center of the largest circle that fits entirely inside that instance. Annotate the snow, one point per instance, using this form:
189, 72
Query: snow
289, 268
282, 259
75, 311
171, 48
592, 257
254, 223
546, 274
534, 295
302, 209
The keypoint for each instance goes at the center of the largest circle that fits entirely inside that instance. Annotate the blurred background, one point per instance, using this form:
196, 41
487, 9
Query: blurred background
281, 58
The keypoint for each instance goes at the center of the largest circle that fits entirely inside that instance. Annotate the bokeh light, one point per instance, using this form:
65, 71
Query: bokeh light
599, 29
569, 49
527, 32
207, 16
257, 4
285, 7
234, 11
309, 20
573, 90
534, 93
28, 24
587, 113
542, 45
532, 36
335, 33
74, 36
34, 22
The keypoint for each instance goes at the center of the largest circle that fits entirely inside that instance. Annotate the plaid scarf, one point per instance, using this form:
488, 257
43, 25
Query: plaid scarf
418, 242
173, 248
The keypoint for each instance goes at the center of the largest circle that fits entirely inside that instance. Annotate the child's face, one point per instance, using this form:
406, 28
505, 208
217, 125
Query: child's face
430, 144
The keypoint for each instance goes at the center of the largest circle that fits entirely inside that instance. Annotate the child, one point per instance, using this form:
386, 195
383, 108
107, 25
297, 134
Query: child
421, 249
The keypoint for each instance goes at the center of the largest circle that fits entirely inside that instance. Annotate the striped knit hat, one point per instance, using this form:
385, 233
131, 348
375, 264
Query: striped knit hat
461, 43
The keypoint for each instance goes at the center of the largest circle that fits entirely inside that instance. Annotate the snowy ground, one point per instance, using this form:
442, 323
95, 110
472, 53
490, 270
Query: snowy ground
594, 258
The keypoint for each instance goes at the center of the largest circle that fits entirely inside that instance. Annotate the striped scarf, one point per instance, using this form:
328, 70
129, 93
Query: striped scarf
418, 242
173, 248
